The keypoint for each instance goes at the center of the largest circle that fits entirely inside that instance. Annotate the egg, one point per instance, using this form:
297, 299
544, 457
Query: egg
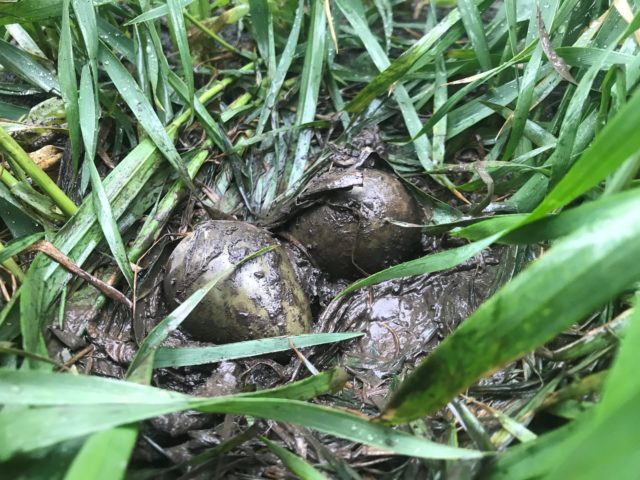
261, 298
349, 233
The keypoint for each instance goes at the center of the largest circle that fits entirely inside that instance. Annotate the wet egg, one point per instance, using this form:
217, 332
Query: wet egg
349, 233
261, 298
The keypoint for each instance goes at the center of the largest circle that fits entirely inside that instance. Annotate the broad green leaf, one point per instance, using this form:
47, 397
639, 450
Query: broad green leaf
606, 440
577, 275
104, 456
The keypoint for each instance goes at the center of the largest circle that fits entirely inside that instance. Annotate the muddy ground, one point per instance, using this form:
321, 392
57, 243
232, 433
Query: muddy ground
402, 321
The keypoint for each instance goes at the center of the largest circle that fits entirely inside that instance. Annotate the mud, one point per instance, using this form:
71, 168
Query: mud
402, 321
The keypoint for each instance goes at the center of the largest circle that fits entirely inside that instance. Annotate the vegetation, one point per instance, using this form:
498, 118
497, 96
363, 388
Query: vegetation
248, 101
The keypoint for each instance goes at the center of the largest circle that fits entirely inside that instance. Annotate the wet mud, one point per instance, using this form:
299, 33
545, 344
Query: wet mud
402, 321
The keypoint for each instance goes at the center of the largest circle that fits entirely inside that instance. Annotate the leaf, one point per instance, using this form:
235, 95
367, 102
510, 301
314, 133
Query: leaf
354, 12
142, 110
473, 25
68, 85
86, 21
297, 465
558, 289
185, 356
18, 245
23, 65
72, 406
400, 66
24, 40
101, 205
556, 61
427, 264
104, 456
615, 144
547, 228
309, 88
261, 23
281, 71
29, 167
157, 12
179, 29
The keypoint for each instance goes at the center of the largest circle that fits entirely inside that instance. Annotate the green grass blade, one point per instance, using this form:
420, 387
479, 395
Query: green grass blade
511, 9
104, 456
86, 21
577, 275
525, 99
143, 111
18, 245
176, 19
89, 115
354, 12
24, 40
608, 436
261, 23
430, 263
157, 12
400, 66
286, 58
24, 161
23, 65
309, 89
473, 25
69, 85
297, 465
101, 205
57, 423
615, 144
181, 357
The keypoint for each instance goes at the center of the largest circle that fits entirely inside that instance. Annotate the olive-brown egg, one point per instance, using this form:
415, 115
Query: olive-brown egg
349, 232
261, 298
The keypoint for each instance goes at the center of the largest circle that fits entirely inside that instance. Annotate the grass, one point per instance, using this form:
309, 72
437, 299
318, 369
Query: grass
545, 94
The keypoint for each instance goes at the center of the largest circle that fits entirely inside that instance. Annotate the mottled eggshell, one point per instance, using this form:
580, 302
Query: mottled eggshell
261, 298
349, 234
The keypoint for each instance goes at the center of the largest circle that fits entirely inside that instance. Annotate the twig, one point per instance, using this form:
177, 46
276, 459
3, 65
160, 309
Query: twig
52, 252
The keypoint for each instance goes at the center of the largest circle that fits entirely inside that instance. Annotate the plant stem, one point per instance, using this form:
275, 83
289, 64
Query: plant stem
203, 28
6, 178
15, 151
12, 266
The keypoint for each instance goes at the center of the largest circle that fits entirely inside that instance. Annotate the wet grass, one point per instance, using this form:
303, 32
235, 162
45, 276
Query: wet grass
518, 120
